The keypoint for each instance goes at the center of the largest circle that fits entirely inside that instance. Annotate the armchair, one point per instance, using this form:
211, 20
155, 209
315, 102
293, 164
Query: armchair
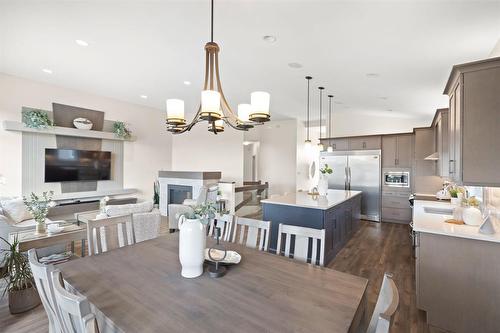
207, 194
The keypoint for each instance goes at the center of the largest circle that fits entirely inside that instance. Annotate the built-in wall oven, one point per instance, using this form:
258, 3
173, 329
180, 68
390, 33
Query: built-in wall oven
396, 178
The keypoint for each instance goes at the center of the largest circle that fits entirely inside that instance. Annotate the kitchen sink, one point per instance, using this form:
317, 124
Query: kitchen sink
439, 210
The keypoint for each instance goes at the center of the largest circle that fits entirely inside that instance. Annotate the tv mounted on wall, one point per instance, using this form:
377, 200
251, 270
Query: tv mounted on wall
66, 165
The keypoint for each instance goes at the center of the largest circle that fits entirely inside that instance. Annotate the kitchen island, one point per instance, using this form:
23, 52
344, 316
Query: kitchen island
338, 213
457, 270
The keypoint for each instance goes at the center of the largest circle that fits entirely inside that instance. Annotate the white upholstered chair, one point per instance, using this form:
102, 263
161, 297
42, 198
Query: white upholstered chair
76, 315
302, 237
109, 233
43, 281
386, 306
225, 223
252, 233
207, 194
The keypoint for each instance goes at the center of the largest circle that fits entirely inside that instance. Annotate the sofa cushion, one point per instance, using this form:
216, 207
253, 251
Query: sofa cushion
15, 209
117, 210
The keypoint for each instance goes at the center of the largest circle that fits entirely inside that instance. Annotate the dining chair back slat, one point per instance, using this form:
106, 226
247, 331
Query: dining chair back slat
75, 310
252, 233
225, 223
109, 233
43, 281
302, 237
386, 306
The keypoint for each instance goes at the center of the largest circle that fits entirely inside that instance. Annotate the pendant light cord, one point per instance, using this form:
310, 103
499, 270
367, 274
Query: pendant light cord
212, 22
308, 78
320, 108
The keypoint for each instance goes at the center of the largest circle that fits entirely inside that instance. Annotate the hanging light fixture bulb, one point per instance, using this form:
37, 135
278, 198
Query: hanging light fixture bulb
330, 148
320, 145
308, 141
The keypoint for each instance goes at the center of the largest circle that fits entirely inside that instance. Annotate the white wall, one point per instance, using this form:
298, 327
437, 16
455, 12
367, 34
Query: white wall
142, 158
199, 150
277, 154
306, 154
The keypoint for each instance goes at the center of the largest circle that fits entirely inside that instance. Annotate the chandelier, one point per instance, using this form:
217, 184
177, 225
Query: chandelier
214, 107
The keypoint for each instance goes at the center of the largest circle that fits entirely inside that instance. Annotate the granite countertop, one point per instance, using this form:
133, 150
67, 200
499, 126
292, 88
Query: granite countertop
434, 223
302, 199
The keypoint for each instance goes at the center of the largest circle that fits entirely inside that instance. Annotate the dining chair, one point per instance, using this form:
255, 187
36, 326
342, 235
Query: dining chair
386, 306
43, 281
225, 223
75, 310
302, 236
109, 233
252, 233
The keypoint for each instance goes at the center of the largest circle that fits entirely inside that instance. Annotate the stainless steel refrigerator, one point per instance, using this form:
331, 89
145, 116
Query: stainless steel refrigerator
359, 171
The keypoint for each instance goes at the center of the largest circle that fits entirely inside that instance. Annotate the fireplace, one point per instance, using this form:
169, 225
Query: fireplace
178, 193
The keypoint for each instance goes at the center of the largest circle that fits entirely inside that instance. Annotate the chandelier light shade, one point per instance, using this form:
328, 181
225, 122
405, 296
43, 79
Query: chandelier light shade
320, 145
330, 148
175, 112
308, 141
259, 100
214, 107
244, 112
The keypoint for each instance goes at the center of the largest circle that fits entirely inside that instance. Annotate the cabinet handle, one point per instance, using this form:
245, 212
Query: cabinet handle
364, 144
452, 170
334, 146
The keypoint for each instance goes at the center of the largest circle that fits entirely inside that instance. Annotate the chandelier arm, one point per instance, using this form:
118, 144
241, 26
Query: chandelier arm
211, 71
207, 57
234, 127
219, 87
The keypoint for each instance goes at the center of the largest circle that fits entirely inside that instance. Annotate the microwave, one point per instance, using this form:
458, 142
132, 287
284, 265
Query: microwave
397, 178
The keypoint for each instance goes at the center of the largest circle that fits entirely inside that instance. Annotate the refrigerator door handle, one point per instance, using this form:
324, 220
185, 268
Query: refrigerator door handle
349, 179
346, 179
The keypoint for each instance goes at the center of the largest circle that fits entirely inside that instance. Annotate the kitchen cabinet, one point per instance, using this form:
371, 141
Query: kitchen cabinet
441, 139
396, 207
338, 144
365, 142
397, 151
474, 123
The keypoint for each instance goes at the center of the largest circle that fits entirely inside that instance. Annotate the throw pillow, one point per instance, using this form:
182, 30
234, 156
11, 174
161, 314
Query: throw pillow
15, 209
117, 210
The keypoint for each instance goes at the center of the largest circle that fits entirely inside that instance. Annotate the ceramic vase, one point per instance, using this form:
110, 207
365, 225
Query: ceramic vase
40, 227
472, 216
192, 243
323, 184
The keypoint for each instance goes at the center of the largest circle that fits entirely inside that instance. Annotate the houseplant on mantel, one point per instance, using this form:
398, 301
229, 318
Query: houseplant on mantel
20, 284
192, 239
39, 206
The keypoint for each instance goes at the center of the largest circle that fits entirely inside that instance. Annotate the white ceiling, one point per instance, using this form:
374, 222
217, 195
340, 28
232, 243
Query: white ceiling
151, 47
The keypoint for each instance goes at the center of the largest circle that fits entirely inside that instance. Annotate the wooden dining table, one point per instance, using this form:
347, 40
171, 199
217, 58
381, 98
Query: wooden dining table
139, 288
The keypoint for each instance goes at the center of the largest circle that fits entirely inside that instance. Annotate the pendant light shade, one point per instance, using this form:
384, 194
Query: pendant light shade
210, 105
308, 141
320, 145
244, 112
259, 100
175, 112
330, 98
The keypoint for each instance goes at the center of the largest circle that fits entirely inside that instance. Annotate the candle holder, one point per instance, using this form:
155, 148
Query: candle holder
217, 271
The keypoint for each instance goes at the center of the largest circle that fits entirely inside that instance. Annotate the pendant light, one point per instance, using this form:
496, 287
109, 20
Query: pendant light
320, 145
330, 148
308, 141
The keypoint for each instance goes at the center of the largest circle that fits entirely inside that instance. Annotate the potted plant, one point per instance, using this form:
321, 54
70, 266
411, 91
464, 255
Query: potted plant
156, 195
472, 214
323, 179
20, 284
39, 206
121, 130
192, 239
37, 119
456, 194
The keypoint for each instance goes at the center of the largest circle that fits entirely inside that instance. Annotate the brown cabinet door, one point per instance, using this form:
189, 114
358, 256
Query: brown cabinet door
340, 144
389, 143
366, 142
404, 151
457, 142
451, 137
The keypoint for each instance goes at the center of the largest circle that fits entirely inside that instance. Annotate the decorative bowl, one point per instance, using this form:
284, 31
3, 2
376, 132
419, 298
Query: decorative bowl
82, 123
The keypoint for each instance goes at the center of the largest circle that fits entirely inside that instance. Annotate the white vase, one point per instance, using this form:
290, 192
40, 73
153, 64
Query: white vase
322, 184
456, 201
472, 216
192, 243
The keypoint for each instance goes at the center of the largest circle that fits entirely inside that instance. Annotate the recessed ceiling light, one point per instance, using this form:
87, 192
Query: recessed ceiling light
187, 83
46, 70
294, 65
372, 75
269, 38
383, 97
144, 96
81, 42
389, 109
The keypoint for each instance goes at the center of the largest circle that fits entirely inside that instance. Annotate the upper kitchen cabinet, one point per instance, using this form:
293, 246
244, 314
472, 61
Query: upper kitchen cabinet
365, 142
397, 151
441, 139
474, 123
337, 144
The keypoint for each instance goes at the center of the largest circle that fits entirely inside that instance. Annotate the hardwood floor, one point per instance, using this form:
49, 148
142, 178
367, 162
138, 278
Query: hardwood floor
374, 249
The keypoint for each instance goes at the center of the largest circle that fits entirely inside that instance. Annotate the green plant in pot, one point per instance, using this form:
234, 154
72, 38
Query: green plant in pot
121, 130
20, 285
156, 195
39, 206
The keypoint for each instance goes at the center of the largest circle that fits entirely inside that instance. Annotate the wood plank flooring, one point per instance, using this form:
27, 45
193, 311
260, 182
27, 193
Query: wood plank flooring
373, 250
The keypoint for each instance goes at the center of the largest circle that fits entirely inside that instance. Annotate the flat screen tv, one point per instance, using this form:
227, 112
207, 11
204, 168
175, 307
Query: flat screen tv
67, 165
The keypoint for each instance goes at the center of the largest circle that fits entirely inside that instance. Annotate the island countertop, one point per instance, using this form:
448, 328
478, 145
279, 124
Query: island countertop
302, 199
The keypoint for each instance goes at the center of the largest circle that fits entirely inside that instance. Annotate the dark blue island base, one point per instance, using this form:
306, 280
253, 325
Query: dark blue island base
340, 222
